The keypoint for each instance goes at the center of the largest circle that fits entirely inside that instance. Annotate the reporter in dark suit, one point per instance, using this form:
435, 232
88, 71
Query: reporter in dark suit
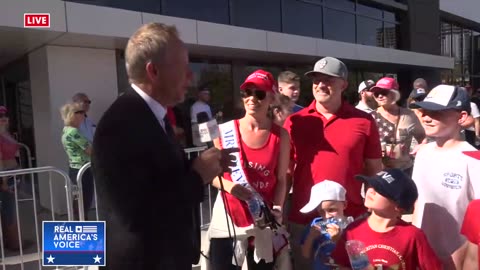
148, 192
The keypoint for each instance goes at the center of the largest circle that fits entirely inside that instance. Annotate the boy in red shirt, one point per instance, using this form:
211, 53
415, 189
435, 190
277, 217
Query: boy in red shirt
390, 242
471, 229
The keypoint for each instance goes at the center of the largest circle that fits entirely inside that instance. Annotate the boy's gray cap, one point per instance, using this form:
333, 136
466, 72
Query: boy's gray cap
329, 66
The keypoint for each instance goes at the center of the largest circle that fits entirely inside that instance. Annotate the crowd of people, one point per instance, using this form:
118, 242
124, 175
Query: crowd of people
291, 178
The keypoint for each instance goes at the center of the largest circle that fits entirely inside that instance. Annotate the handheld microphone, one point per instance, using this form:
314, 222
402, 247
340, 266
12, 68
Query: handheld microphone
207, 128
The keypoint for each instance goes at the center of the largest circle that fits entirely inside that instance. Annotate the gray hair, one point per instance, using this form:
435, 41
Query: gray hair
79, 97
422, 82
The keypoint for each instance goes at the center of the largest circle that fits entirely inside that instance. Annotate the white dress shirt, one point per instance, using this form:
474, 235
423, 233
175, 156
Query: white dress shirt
158, 110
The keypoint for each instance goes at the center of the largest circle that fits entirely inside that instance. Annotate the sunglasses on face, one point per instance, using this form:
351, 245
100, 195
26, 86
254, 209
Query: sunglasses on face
3, 115
87, 102
381, 92
323, 79
80, 112
259, 94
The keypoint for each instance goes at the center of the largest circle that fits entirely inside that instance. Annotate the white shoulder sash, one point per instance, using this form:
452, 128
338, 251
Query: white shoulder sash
230, 139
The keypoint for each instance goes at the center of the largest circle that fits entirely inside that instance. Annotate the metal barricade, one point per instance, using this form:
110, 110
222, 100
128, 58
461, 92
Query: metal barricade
31, 257
203, 224
78, 191
29, 163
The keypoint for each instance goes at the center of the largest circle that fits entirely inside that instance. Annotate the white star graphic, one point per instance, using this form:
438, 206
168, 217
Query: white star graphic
390, 128
50, 259
96, 259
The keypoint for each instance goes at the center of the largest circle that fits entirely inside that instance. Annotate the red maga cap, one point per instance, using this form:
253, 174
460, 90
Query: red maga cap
386, 83
262, 80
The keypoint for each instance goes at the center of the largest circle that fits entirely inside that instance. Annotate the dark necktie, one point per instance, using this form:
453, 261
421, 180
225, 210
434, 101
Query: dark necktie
168, 128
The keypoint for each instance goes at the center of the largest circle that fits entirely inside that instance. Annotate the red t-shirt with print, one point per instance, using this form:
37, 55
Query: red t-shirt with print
471, 225
404, 247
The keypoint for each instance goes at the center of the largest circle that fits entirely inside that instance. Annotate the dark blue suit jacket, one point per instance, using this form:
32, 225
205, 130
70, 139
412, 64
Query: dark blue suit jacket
147, 192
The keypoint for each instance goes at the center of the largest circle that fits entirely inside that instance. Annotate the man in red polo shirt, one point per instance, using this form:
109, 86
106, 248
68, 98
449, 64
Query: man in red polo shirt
331, 140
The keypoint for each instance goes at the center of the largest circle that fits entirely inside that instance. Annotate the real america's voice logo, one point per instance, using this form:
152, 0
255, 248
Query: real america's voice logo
73, 243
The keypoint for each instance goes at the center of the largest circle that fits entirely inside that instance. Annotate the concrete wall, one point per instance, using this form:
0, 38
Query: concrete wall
469, 9
56, 74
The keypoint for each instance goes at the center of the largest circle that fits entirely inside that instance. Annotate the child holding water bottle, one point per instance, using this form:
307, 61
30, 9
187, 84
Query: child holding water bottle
390, 242
328, 199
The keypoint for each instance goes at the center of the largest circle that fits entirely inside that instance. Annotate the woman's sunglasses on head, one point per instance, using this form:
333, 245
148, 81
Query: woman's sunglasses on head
259, 94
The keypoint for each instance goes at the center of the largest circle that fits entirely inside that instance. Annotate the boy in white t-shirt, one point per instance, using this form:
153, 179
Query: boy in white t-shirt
446, 179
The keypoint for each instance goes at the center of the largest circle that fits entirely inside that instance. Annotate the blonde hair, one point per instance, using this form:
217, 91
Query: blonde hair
68, 112
148, 44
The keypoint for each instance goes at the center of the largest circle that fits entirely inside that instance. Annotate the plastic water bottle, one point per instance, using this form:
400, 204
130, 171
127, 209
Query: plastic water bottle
255, 205
357, 254
343, 222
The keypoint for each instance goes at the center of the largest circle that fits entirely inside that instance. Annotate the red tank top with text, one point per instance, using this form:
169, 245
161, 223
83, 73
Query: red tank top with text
261, 166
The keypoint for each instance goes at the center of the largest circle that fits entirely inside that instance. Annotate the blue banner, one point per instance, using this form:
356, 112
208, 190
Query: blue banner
73, 243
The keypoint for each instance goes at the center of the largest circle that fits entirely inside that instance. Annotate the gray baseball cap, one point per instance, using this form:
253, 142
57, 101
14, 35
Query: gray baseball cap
329, 66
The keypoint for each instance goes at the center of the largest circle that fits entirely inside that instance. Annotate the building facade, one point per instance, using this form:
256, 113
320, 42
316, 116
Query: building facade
82, 51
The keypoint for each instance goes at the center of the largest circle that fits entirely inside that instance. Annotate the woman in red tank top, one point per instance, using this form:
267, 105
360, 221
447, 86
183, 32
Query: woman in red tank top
265, 149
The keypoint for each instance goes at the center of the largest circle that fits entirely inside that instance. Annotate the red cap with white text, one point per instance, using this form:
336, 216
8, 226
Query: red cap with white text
262, 80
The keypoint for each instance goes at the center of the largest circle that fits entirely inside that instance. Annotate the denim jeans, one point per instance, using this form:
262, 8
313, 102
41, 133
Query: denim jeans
88, 191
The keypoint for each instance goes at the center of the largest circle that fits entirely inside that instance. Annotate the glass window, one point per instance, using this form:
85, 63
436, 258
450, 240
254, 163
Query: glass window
369, 31
150, 6
389, 16
390, 35
306, 95
446, 76
476, 56
206, 10
475, 72
446, 39
263, 14
369, 11
457, 54
308, 24
339, 25
351, 93
467, 54
216, 77
346, 5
